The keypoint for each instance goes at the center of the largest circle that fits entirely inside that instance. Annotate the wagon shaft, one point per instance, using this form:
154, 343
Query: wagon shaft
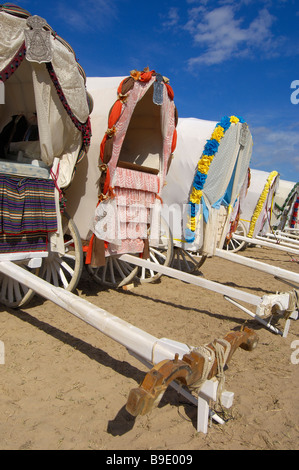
188, 371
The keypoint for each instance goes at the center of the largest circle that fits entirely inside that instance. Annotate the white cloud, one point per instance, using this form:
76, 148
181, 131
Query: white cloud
276, 149
172, 18
222, 35
87, 14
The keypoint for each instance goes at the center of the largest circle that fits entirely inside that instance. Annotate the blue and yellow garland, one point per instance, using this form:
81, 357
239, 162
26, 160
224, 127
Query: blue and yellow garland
209, 152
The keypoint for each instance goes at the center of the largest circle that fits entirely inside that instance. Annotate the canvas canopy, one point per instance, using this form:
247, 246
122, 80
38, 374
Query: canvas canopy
256, 209
285, 209
47, 90
134, 135
44, 130
209, 169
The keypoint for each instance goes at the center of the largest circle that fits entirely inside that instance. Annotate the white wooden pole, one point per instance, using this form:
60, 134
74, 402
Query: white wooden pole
267, 268
263, 304
283, 234
267, 324
280, 240
256, 241
192, 279
134, 339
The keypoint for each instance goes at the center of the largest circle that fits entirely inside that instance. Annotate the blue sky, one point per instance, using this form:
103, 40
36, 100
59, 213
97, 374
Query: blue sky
222, 57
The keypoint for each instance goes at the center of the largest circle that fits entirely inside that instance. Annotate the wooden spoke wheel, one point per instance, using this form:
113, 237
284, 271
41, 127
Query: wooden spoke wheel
233, 244
115, 273
64, 270
118, 273
187, 261
13, 294
161, 253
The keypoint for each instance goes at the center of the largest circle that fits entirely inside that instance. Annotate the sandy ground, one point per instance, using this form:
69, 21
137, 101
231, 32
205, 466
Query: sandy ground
64, 385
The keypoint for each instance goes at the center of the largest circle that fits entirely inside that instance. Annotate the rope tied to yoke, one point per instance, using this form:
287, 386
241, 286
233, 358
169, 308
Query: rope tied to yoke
209, 357
222, 349
221, 353
293, 303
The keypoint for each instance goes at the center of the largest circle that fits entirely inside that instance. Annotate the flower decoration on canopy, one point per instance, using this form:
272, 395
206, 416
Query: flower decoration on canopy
209, 152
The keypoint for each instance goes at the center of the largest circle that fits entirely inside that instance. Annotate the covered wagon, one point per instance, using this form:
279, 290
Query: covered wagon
45, 132
116, 199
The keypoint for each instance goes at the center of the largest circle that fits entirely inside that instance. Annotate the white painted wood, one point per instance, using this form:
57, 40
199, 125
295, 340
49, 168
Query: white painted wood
263, 304
279, 240
267, 268
265, 323
202, 415
23, 256
279, 235
256, 241
192, 279
134, 339
209, 389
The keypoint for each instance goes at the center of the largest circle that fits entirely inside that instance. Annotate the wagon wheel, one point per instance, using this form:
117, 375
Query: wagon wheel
65, 270
186, 261
159, 254
116, 273
13, 294
236, 245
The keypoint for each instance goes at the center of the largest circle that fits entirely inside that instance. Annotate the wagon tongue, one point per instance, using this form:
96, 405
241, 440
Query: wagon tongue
192, 370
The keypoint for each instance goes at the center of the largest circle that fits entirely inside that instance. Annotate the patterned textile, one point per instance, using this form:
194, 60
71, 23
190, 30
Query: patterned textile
130, 92
295, 214
127, 197
123, 221
14, 10
132, 179
27, 205
23, 243
134, 217
127, 246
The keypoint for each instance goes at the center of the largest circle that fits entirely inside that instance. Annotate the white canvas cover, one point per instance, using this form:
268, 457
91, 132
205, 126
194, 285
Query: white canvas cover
257, 207
142, 139
284, 202
29, 91
82, 196
48, 92
225, 178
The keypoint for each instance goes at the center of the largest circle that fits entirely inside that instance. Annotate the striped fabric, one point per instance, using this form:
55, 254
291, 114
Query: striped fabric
27, 205
23, 242
14, 10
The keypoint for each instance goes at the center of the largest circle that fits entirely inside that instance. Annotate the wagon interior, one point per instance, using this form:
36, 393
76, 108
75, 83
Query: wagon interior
143, 144
18, 122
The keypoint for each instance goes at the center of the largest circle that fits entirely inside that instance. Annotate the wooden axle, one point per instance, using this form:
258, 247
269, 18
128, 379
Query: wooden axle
188, 371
